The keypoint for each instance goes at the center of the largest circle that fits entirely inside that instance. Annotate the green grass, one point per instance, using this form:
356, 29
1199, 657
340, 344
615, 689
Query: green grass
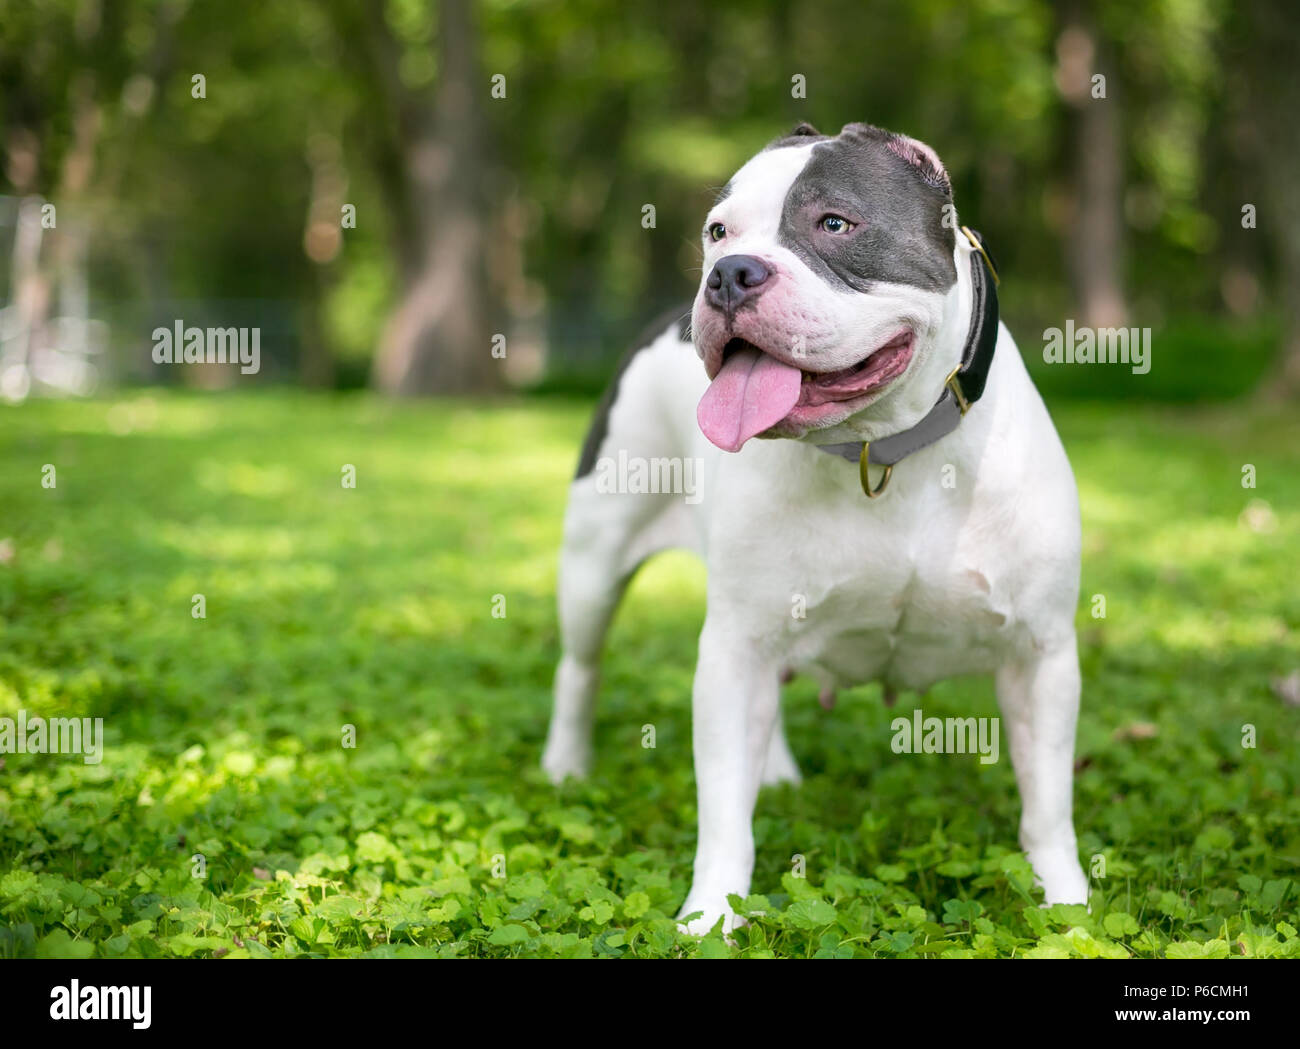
372, 607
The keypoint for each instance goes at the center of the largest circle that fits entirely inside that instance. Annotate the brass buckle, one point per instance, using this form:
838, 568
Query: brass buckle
866, 478
975, 243
952, 384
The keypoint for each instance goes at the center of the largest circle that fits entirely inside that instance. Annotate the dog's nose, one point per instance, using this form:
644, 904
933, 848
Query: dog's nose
735, 279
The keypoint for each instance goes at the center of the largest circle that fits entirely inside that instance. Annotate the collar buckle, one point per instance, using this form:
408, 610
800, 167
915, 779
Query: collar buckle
954, 384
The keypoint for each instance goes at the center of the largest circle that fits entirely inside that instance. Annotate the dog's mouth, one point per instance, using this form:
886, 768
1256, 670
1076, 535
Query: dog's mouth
754, 391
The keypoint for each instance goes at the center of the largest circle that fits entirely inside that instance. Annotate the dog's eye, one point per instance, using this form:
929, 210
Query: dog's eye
716, 231
835, 224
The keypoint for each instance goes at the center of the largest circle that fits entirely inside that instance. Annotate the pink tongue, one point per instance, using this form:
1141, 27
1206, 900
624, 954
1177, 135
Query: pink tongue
751, 393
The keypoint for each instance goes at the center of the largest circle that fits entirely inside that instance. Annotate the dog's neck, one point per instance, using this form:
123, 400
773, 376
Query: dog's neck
963, 383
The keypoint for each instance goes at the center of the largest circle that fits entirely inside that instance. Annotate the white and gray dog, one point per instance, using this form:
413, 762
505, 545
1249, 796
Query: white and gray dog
843, 314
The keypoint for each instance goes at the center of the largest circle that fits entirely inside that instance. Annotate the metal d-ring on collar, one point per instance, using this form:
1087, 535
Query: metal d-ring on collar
961, 389
864, 476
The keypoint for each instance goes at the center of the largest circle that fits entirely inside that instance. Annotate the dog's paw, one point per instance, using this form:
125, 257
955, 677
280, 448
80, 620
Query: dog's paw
1060, 875
561, 762
707, 919
780, 768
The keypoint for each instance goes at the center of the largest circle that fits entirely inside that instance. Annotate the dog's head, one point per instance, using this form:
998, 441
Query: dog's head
829, 269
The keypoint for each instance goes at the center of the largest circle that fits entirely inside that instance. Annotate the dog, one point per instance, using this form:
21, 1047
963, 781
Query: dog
872, 450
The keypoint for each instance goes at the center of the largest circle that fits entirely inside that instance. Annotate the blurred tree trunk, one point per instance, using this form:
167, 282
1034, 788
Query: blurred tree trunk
1268, 56
55, 265
1094, 238
438, 338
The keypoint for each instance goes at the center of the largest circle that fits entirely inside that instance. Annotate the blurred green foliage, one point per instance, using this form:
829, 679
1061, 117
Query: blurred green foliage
611, 106
372, 607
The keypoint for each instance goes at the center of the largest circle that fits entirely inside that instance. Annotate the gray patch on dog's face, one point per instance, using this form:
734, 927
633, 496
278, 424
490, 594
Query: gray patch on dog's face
892, 192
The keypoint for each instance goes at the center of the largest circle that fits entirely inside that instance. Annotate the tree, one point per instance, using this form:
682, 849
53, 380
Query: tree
432, 160
1272, 42
1094, 236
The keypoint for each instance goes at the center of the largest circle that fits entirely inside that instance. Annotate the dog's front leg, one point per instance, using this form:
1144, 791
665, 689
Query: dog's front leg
734, 707
1039, 698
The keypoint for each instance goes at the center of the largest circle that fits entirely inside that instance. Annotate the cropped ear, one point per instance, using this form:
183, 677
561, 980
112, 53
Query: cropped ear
915, 153
923, 158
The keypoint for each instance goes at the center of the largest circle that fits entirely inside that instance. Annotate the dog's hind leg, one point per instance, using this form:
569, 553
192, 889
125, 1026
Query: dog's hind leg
606, 538
611, 528
780, 766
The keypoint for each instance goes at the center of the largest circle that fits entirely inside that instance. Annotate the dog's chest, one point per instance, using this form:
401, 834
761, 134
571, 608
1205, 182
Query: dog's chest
908, 593
908, 620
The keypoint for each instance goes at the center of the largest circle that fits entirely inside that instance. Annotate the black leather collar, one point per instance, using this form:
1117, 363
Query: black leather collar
961, 389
